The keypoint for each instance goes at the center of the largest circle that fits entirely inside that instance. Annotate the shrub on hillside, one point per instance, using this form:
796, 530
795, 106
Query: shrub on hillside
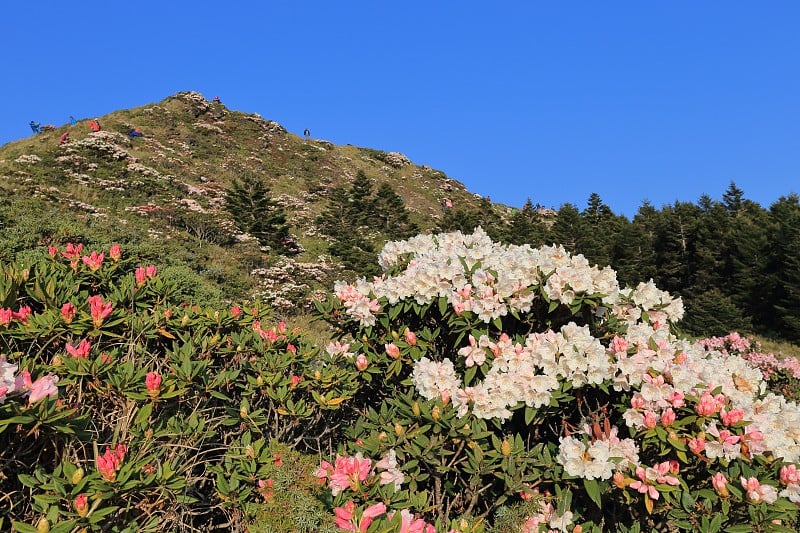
526, 384
124, 408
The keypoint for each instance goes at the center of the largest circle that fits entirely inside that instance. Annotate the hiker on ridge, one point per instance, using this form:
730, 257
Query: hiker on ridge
135, 132
307, 133
94, 125
64, 139
36, 127
72, 121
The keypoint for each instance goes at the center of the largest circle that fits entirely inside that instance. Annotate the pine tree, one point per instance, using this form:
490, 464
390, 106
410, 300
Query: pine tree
783, 271
634, 253
602, 227
569, 228
527, 226
675, 247
254, 212
391, 214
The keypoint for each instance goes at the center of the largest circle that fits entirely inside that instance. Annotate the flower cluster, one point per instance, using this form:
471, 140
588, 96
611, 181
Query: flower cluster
142, 274
110, 462
491, 280
7, 315
23, 384
605, 454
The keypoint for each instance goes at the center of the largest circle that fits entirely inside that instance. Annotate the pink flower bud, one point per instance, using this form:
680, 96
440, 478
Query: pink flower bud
82, 505
68, 312
115, 252
392, 350
153, 383
411, 337
362, 362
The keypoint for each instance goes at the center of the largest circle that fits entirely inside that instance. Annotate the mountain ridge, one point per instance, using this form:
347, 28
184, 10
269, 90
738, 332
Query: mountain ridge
170, 186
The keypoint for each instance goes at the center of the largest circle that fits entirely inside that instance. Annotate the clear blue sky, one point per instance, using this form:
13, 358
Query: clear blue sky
549, 100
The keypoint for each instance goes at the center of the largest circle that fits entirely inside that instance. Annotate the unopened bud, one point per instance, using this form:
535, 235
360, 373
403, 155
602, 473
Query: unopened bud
505, 448
382, 436
57, 361
395, 336
399, 430
77, 476
43, 526
185, 320
436, 413
415, 409
259, 380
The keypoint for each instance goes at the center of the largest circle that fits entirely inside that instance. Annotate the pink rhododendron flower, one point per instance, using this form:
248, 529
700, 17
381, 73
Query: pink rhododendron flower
346, 472
5, 316
392, 350
411, 525
23, 313
668, 417
650, 419
110, 462
115, 252
94, 261
142, 274
708, 405
731, 417
790, 475
411, 337
697, 445
99, 310
153, 383
643, 484
43, 387
720, 483
474, 354
757, 493
82, 351
68, 312
73, 251
361, 362
236, 311
344, 516
52, 250
347, 521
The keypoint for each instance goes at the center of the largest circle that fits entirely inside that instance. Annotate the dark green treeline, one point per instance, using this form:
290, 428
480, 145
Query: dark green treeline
735, 264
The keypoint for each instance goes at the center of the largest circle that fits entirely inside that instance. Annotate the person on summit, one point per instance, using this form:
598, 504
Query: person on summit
36, 127
307, 133
217, 100
135, 132
94, 124
72, 121
64, 139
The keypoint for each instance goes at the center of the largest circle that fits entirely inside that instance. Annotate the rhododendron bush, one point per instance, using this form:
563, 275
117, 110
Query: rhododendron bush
123, 408
499, 377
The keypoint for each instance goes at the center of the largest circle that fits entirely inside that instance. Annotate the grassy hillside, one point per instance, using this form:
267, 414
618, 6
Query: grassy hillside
162, 195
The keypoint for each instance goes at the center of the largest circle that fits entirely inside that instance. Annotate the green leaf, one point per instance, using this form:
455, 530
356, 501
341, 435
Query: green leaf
22, 527
741, 528
593, 490
144, 414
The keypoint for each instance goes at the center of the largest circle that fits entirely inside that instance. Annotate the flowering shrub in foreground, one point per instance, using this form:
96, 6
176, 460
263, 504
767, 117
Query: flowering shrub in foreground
124, 409
500, 375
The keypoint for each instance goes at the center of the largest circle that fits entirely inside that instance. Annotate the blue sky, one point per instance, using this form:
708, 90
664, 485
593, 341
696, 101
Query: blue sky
633, 100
